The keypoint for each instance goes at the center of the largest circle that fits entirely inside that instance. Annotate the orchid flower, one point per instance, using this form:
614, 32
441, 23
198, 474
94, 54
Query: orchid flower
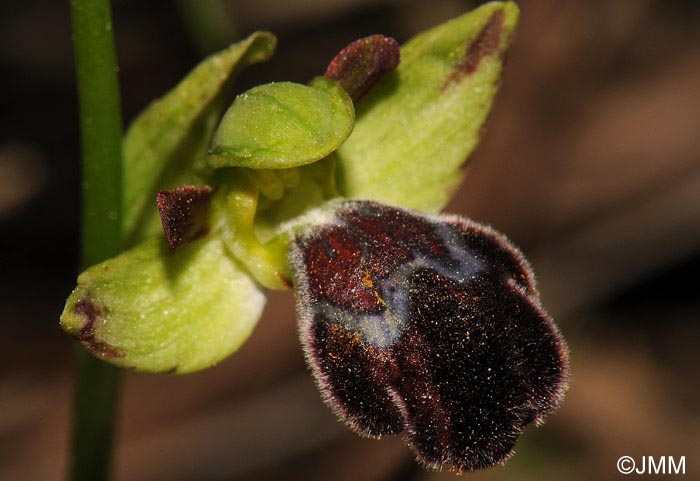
411, 321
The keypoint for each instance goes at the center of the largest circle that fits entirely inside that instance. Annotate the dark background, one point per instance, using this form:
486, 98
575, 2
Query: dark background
590, 162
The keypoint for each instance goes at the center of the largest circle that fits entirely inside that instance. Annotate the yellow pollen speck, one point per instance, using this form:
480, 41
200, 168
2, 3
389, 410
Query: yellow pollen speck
367, 280
379, 298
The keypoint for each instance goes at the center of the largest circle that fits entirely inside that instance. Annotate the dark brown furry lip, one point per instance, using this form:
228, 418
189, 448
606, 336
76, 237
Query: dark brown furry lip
427, 325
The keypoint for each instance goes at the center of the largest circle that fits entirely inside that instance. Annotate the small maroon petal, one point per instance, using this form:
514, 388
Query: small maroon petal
430, 325
183, 212
360, 65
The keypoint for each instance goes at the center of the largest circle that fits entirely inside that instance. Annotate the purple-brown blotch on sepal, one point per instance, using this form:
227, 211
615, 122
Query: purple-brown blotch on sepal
430, 325
486, 43
92, 313
360, 65
183, 212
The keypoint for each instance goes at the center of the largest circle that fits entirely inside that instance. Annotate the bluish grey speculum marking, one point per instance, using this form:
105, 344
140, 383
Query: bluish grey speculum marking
427, 325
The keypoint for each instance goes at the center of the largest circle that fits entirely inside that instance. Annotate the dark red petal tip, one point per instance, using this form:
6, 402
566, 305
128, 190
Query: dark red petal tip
183, 213
430, 325
360, 65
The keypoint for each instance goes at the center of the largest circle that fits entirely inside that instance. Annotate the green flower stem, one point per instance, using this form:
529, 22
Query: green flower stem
101, 129
94, 405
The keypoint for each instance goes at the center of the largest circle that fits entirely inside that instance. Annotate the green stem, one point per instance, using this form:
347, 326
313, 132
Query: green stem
101, 132
95, 406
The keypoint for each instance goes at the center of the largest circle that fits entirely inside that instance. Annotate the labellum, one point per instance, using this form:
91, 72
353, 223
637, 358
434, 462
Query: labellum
427, 325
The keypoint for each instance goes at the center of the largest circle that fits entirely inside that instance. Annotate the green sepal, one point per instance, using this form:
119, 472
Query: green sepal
282, 125
165, 142
418, 125
156, 311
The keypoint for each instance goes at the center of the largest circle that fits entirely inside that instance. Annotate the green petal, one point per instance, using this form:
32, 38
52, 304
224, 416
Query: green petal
282, 125
419, 124
164, 142
154, 311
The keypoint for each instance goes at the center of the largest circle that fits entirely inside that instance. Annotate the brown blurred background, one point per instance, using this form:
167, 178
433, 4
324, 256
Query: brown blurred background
591, 162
